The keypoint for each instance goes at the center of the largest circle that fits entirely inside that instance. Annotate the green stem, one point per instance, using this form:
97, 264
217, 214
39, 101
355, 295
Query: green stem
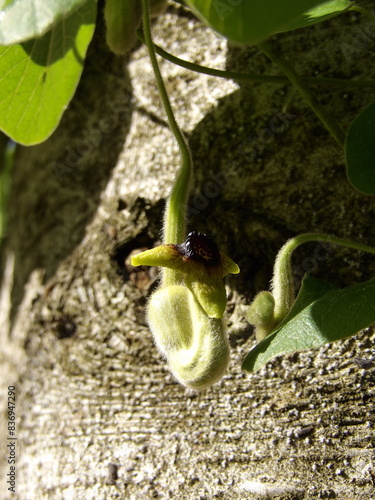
282, 283
250, 77
363, 11
175, 214
327, 120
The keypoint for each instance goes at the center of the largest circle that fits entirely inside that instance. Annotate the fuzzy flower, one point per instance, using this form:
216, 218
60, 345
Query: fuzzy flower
201, 265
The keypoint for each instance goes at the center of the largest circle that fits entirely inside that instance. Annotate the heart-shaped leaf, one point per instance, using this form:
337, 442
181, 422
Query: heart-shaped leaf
320, 315
38, 78
360, 151
21, 20
251, 21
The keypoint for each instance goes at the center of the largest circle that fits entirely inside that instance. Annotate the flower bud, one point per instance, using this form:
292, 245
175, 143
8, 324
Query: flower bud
261, 314
122, 18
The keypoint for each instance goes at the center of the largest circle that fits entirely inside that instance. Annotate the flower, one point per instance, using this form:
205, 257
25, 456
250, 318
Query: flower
202, 267
195, 345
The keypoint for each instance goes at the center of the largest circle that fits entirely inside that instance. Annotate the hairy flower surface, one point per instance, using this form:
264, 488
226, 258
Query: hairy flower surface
202, 267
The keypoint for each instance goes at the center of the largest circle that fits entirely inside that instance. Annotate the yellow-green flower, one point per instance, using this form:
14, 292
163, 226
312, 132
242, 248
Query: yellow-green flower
202, 267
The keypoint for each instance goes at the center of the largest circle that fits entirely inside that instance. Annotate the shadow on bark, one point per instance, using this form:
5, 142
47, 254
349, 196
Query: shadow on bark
266, 170
70, 170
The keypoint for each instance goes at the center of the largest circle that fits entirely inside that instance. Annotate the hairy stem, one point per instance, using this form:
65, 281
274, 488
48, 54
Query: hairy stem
363, 11
175, 213
282, 283
327, 120
251, 77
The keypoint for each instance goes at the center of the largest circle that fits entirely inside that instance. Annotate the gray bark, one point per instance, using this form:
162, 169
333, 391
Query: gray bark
98, 413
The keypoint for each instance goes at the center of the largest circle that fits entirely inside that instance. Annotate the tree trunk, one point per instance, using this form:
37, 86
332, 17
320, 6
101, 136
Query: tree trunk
98, 413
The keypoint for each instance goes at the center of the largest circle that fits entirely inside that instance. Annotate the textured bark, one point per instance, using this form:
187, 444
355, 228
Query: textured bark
99, 415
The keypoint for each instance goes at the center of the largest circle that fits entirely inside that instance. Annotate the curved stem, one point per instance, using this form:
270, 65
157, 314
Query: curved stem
363, 11
250, 77
327, 120
175, 213
282, 283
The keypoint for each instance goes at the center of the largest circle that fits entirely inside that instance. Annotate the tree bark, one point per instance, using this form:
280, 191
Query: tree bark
98, 413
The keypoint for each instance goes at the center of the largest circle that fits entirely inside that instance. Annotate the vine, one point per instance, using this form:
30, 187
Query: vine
186, 313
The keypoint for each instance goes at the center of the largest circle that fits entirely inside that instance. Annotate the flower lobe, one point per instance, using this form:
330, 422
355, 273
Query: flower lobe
200, 248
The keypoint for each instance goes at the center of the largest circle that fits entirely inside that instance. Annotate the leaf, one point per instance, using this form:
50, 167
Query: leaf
360, 151
251, 21
37, 17
311, 290
328, 316
320, 13
39, 77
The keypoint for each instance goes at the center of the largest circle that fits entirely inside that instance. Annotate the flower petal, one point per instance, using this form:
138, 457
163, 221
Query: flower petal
228, 265
161, 256
202, 266
210, 293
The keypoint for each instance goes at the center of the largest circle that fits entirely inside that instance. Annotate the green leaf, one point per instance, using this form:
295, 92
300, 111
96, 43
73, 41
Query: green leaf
251, 21
39, 77
311, 290
320, 13
328, 315
21, 20
360, 151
